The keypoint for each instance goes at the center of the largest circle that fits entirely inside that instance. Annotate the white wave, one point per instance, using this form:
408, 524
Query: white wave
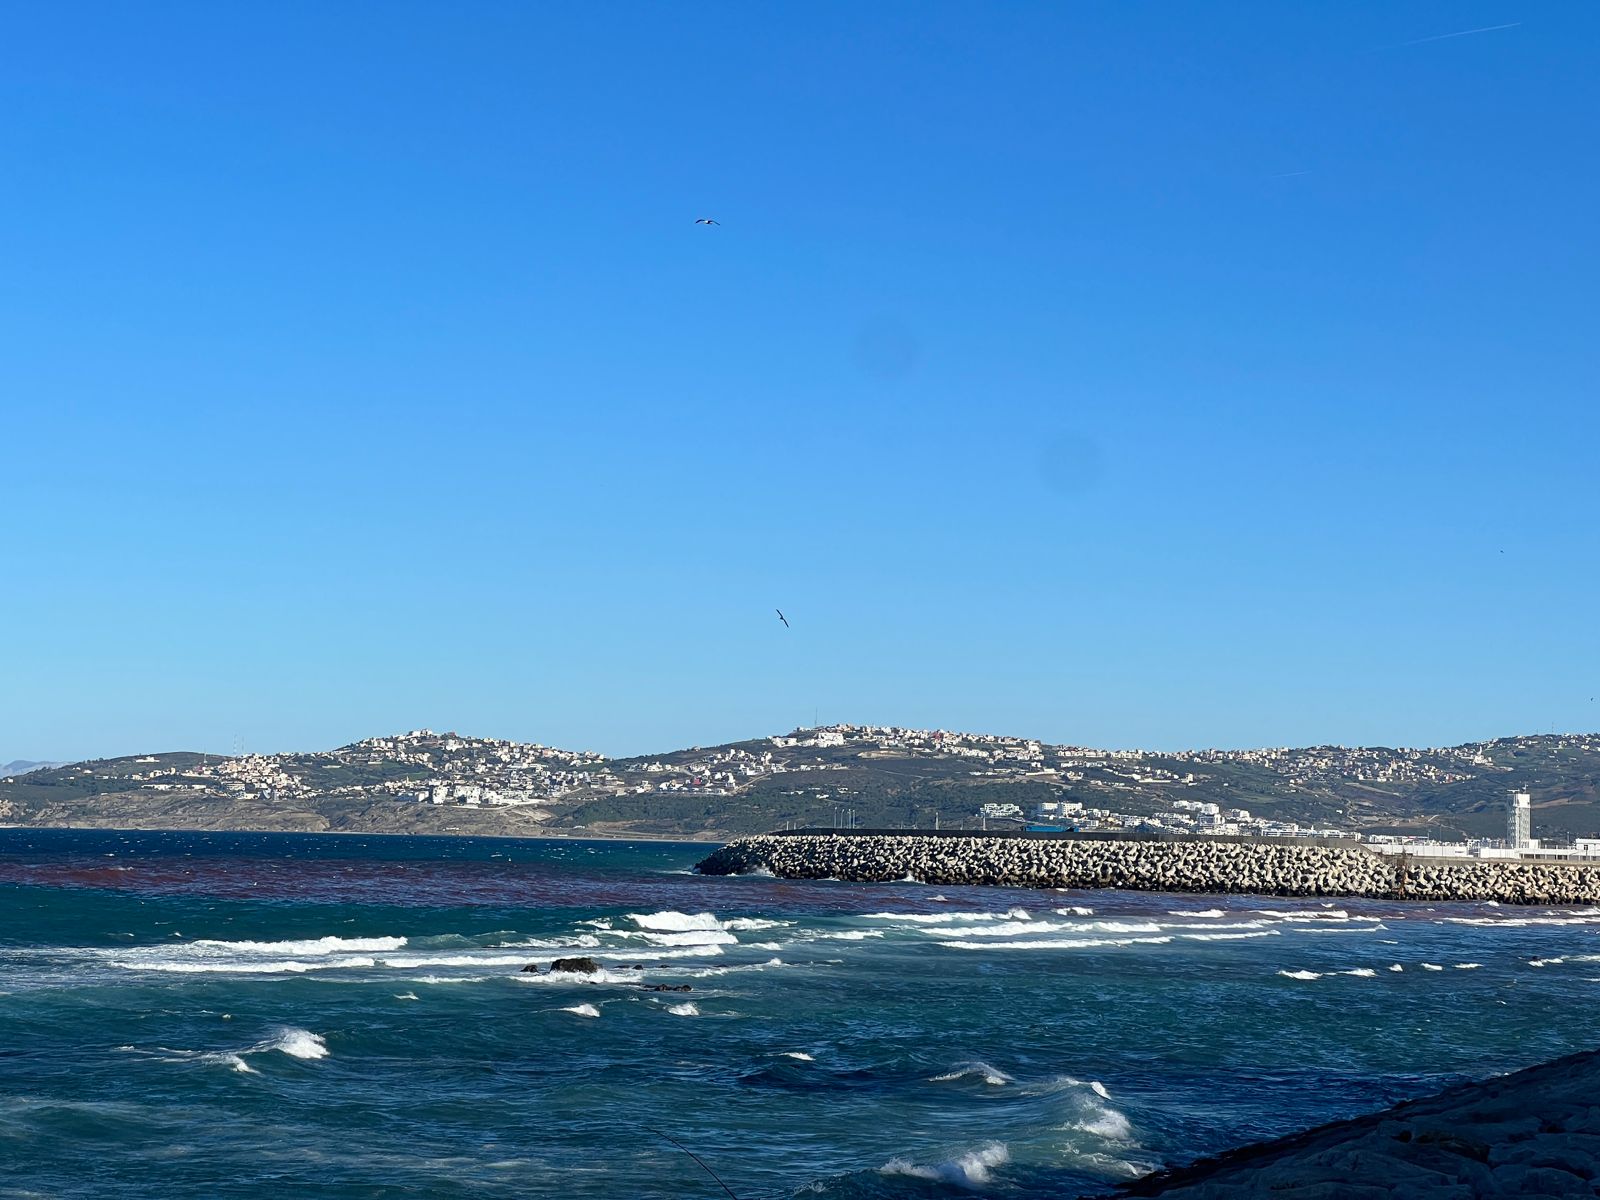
405, 996
573, 978
1343, 928
1107, 1123
290, 967
583, 1010
1301, 974
687, 1009
1205, 912
1229, 937
1099, 1089
851, 935
1396, 967
967, 1170
1468, 966
689, 937
297, 1043
710, 972
297, 949
1360, 972
1431, 967
1582, 918
1058, 943
1077, 910
1012, 928
799, 1055
993, 1076
460, 978
672, 921
753, 924
1545, 962
650, 954
1337, 914
583, 941
1014, 914
404, 961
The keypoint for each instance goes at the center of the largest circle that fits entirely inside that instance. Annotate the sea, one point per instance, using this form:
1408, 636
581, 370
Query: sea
259, 1015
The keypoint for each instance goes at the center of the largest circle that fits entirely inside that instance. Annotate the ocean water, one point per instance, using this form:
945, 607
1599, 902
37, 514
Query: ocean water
250, 1015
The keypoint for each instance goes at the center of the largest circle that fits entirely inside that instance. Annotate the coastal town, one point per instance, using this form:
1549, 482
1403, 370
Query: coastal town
848, 775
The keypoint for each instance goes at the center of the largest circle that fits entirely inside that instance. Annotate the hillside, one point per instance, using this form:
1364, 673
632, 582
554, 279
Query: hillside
426, 782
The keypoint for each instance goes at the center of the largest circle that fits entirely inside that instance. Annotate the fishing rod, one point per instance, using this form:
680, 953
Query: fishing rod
698, 1160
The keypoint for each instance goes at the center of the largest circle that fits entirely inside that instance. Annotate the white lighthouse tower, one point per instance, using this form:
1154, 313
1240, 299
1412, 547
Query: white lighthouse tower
1519, 822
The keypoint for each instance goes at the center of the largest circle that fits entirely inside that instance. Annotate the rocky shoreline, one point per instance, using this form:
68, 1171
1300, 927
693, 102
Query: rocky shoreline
1198, 865
1532, 1133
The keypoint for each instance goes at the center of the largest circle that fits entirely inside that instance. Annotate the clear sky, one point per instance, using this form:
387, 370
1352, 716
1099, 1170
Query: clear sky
1119, 374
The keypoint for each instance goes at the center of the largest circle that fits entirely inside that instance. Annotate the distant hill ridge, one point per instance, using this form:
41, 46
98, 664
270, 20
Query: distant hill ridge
22, 766
423, 781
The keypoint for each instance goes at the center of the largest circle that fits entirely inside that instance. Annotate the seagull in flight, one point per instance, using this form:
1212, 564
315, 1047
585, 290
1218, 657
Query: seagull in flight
706, 221
781, 617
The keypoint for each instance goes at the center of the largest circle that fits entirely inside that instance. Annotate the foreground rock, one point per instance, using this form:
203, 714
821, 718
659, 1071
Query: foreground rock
1259, 868
1532, 1133
575, 966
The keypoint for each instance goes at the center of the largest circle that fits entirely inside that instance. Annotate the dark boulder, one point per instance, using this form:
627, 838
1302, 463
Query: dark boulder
576, 966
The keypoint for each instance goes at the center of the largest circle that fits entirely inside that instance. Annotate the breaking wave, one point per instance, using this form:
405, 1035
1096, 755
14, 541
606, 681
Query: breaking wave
972, 1169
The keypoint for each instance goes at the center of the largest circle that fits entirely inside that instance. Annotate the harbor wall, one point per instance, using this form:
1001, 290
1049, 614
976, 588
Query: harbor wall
1268, 867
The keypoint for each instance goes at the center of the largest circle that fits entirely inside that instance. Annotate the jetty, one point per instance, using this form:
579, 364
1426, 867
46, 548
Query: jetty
1160, 863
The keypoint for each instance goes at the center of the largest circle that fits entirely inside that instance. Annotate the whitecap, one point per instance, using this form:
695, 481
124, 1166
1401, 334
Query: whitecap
1431, 967
689, 937
583, 1010
1545, 962
1205, 912
1228, 937
799, 1055
295, 949
687, 1009
403, 961
1396, 967
1301, 974
1360, 972
1468, 966
297, 1043
672, 921
992, 1076
1058, 943
966, 1170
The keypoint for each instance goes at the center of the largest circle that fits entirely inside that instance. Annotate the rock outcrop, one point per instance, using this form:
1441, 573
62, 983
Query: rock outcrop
575, 966
1534, 1133
1198, 865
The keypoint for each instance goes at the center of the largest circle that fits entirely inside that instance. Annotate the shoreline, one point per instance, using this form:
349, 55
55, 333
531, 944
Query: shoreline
1533, 1132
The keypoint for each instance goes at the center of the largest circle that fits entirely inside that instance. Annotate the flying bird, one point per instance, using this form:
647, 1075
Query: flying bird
706, 221
781, 617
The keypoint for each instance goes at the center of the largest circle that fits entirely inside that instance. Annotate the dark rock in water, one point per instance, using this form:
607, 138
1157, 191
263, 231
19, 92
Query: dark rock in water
666, 987
531, 969
575, 966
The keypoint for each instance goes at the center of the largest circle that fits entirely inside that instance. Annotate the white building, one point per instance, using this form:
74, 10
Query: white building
1519, 822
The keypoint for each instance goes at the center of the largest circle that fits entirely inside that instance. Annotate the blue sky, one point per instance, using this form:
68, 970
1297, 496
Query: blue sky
1118, 374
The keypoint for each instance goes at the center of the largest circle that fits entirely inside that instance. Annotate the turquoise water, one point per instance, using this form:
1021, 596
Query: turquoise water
188, 1015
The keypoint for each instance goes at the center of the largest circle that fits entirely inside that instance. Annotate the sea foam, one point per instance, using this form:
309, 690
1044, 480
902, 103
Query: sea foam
972, 1169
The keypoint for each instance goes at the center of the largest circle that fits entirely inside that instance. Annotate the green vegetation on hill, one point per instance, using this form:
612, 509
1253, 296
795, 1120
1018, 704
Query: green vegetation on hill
877, 777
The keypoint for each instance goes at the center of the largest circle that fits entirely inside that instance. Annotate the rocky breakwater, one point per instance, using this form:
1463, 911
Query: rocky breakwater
1243, 867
